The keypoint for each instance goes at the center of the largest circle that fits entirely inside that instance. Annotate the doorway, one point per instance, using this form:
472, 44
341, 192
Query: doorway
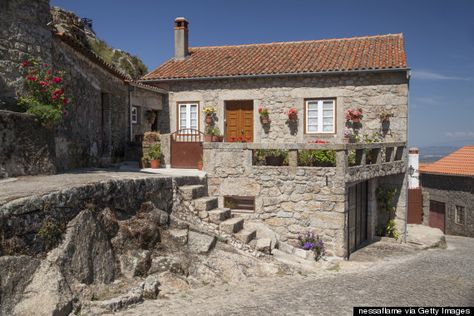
437, 214
239, 121
357, 224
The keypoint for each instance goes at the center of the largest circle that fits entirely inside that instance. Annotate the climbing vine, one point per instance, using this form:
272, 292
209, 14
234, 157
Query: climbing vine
385, 201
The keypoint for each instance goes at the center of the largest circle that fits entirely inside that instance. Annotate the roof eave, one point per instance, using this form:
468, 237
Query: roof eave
292, 74
446, 174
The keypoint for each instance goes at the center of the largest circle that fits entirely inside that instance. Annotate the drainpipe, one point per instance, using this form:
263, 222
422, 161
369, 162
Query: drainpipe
130, 90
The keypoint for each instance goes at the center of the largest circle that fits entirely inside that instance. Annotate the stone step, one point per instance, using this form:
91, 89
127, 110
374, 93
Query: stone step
219, 215
191, 192
232, 225
205, 204
246, 235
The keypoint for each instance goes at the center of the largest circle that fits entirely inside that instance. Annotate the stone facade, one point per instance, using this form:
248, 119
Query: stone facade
373, 92
97, 129
293, 199
451, 190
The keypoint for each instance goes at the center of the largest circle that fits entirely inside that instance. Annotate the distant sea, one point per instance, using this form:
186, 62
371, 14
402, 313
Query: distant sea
433, 153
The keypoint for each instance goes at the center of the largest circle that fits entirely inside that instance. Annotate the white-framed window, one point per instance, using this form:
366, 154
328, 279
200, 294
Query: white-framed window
459, 215
320, 116
134, 115
188, 115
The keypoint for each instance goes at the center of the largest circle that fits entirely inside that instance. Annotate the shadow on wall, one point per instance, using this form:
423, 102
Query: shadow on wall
26, 147
7, 96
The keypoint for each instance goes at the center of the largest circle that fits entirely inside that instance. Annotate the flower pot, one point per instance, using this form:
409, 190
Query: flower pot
221, 139
356, 120
209, 119
265, 120
292, 117
155, 164
274, 161
215, 138
208, 138
199, 165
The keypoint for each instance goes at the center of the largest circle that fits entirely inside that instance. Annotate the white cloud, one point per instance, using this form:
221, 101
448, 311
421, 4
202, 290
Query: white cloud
458, 135
430, 75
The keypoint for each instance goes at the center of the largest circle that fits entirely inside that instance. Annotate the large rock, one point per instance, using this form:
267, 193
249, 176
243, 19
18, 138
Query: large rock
135, 263
15, 274
86, 253
151, 287
47, 294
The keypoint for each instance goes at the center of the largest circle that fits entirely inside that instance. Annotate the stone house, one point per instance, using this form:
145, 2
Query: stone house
448, 193
108, 109
320, 79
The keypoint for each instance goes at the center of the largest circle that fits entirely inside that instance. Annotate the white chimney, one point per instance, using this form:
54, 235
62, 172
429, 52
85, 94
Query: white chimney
413, 168
180, 38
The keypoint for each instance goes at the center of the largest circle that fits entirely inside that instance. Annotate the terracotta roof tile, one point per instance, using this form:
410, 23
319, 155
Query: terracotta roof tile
460, 162
330, 55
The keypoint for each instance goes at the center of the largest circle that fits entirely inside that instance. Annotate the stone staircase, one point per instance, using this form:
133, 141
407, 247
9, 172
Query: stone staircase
221, 219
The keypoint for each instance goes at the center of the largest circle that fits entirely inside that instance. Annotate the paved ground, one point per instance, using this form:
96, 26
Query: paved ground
14, 188
412, 278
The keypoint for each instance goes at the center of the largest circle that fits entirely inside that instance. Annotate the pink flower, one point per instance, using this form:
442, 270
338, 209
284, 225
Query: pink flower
43, 83
260, 109
25, 63
54, 97
49, 72
56, 80
31, 78
65, 101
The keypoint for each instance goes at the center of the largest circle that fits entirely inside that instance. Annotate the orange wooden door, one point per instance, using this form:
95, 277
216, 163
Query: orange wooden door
239, 120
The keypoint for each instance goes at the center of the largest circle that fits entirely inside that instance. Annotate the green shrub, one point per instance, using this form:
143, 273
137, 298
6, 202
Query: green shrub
153, 152
317, 158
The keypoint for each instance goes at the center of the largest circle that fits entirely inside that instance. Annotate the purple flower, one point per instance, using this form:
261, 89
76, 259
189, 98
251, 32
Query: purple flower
308, 245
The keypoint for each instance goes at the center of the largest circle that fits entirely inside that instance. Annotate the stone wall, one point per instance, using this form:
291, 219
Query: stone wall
452, 191
289, 200
22, 218
95, 131
23, 34
372, 92
26, 147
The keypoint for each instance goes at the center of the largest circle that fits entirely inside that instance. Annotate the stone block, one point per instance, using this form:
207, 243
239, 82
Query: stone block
200, 243
190, 192
264, 245
179, 235
135, 263
205, 203
151, 287
219, 215
232, 225
246, 235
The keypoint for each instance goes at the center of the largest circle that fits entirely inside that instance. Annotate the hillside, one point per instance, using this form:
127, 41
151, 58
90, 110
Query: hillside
81, 30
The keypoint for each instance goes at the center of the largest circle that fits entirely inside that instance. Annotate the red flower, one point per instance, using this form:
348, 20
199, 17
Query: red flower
260, 109
54, 97
25, 63
31, 78
58, 92
65, 101
44, 83
56, 80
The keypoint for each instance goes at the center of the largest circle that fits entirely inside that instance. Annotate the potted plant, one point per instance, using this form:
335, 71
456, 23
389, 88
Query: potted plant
292, 114
264, 115
152, 154
354, 115
210, 112
385, 119
150, 116
350, 136
311, 242
216, 134
274, 157
208, 134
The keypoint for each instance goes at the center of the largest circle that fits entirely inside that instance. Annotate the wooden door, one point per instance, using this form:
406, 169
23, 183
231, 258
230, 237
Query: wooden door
415, 206
357, 226
437, 214
239, 121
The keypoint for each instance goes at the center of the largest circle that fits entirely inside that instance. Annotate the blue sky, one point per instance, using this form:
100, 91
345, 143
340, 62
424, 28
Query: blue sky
439, 39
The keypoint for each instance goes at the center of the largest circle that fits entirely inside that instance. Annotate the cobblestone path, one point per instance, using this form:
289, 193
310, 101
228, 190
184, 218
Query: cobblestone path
433, 277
